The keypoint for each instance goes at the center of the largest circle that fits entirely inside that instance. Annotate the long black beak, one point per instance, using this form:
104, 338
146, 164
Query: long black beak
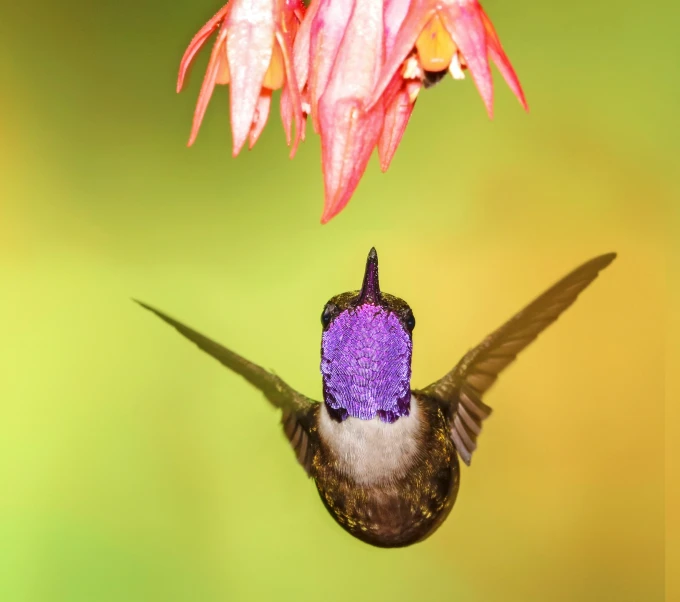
370, 289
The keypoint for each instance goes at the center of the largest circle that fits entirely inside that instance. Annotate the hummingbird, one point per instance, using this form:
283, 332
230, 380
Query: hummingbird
385, 457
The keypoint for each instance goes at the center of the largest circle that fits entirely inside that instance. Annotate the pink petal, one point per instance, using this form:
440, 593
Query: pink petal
286, 107
465, 25
360, 55
197, 43
249, 51
295, 7
304, 97
393, 89
502, 62
290, 95
394, 14
328, 28
396, 119
260, 117
208, 84
348, 135
289, 114
348, 132
301, 55
418, 15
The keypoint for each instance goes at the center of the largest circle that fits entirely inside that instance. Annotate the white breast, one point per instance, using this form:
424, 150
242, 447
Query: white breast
371, 451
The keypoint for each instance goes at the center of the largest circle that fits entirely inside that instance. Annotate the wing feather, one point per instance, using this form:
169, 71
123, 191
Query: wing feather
297, 408
465, 385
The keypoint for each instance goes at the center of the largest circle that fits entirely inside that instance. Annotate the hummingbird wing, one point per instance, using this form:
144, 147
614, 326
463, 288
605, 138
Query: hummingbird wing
297, 409
464, 386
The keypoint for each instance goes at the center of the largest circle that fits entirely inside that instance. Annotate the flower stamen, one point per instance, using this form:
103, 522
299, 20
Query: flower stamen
456, 67
412, 68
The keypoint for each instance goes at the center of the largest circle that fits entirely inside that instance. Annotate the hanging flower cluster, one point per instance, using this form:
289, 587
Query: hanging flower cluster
354, 67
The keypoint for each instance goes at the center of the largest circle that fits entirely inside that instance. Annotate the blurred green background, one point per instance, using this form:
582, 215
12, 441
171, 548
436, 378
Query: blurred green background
134, 468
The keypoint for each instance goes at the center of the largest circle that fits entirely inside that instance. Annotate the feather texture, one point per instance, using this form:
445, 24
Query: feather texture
464, 387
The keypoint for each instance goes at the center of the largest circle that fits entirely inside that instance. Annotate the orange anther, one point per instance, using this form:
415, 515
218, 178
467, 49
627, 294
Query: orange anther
435, 46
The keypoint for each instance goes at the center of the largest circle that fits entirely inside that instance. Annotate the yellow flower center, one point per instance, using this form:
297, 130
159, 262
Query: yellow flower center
435, 46
276, 73
273, 79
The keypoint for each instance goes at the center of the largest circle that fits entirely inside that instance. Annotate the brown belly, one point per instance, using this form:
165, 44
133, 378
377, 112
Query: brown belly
399, 512
392, 515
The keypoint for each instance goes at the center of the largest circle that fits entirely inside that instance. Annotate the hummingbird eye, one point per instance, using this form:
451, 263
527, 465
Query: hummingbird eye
410, 321
329, 312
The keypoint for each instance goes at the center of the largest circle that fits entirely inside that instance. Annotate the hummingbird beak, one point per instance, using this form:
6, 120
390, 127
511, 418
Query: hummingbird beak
370, 289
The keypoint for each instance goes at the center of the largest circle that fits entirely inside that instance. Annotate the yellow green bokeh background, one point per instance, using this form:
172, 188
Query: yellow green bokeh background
134, 468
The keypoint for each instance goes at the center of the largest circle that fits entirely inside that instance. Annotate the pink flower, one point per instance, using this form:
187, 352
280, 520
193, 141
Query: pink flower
338, 56
401, 98
355, 67
440, 36
252, 53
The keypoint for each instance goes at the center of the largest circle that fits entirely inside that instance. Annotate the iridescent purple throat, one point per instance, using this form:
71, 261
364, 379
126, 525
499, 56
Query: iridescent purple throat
366, 365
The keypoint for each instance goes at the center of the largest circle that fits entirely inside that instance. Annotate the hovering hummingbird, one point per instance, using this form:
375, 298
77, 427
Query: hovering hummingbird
384, 456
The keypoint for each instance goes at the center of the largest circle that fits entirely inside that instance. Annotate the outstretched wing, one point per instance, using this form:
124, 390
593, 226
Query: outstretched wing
297, 408
464, 387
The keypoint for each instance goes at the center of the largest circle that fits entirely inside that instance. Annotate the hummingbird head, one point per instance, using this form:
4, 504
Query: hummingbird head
366, 352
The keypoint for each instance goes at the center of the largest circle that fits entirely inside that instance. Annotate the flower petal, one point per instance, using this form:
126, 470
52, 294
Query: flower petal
348, 132
217, 56
502, 62
327, 31
348, 136
291, 102
396, 119
301, 52
197, 43
397, 97
418, 15
249, 51
260, 117
394, 13
462, 19
286, 109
